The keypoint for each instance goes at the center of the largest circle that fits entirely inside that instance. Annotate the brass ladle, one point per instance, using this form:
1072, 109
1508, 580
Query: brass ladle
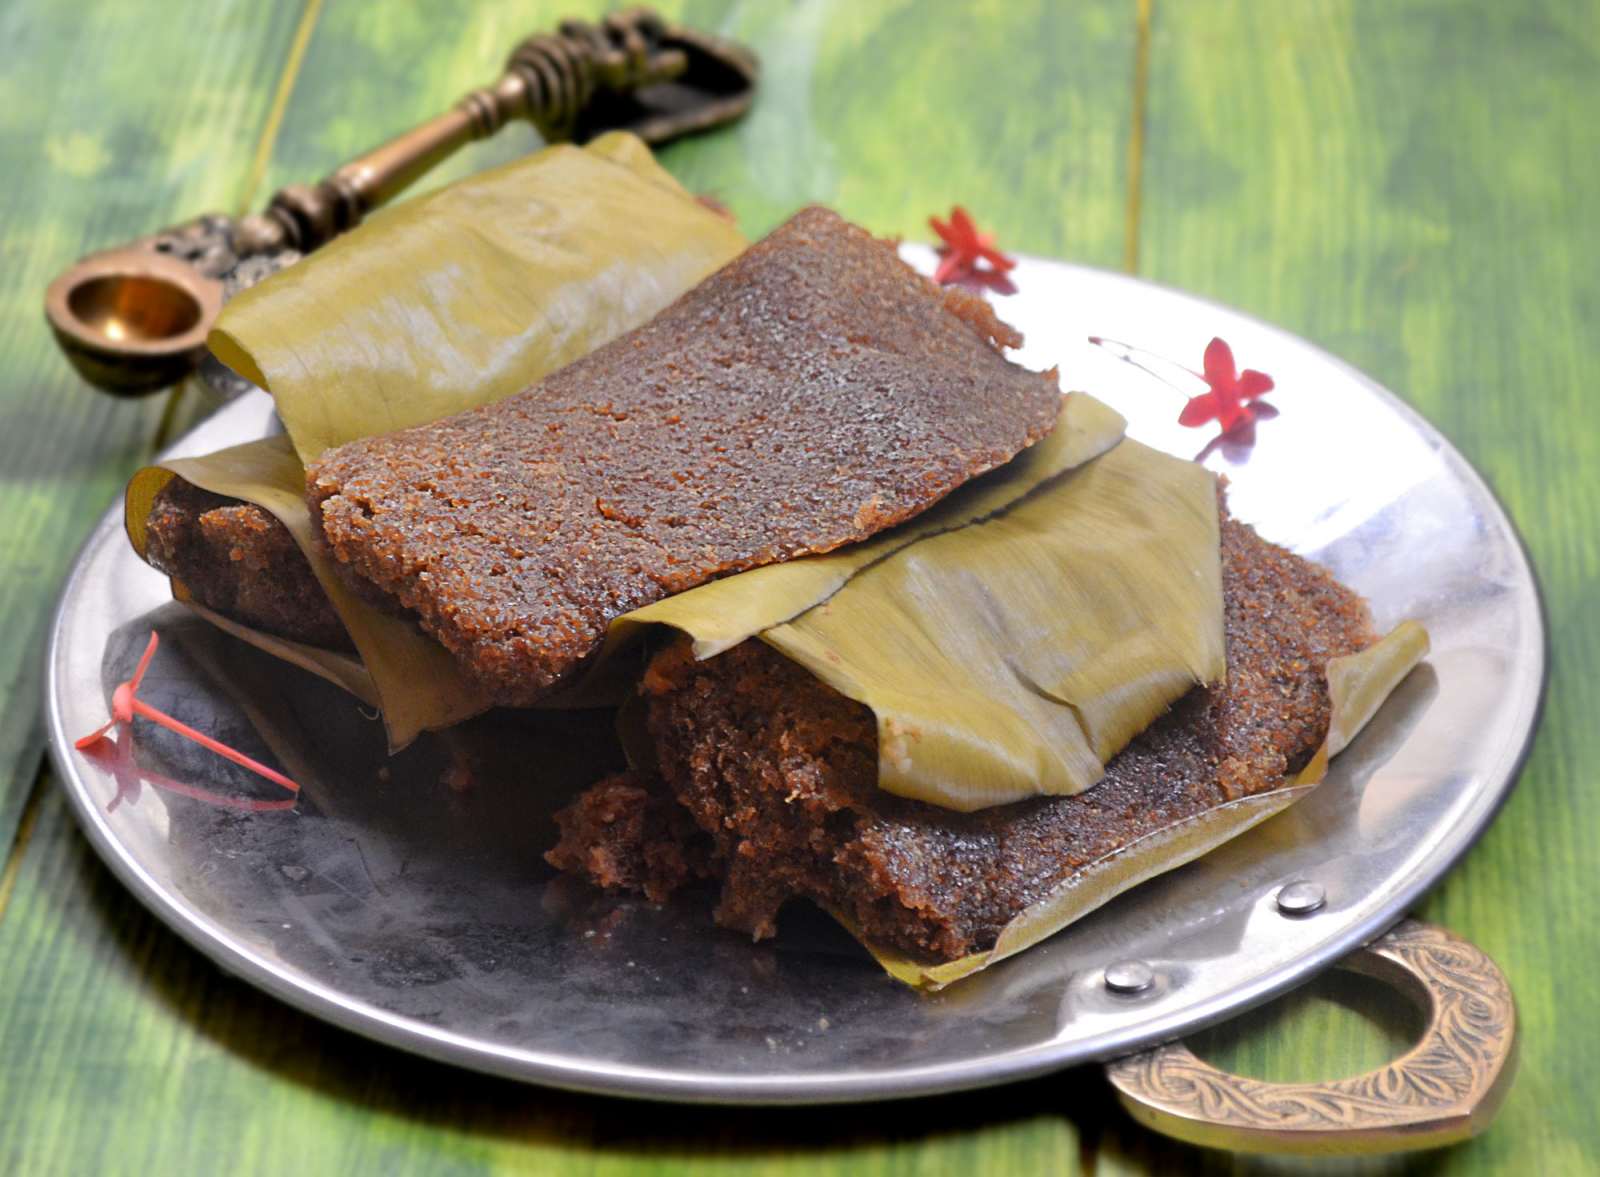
134, 319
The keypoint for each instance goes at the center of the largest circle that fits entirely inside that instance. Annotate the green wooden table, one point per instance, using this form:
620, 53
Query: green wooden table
1409, 183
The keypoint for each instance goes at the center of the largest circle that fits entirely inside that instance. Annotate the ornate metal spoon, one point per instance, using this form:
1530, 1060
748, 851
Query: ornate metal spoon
134, 319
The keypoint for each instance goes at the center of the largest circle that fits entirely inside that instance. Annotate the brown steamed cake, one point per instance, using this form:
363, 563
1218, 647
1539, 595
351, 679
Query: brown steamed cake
239, 560
779, 773
811, 393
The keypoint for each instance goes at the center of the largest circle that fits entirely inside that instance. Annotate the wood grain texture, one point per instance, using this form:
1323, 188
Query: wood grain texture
114, 121
1410, 185
964, 99
1404, 182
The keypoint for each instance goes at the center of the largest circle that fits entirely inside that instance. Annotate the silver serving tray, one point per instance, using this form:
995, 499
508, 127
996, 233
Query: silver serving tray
393, 906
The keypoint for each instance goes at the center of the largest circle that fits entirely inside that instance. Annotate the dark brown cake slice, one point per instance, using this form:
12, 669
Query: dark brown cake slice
780, 772
811, 393
239, 560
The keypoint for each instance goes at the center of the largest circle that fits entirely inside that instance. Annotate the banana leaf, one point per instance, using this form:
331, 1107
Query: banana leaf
1357, 684
455, 299
470, 293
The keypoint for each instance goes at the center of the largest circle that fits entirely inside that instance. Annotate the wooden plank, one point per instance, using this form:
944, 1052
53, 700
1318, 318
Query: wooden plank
890, 112
196, 1071
115, 119
1409, 184
1020, 111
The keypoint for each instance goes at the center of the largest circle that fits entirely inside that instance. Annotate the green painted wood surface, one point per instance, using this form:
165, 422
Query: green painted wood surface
1406, 182
111, 125
1410, 185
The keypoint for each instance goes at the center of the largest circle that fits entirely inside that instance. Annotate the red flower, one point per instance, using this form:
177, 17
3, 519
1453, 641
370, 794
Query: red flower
125, 704
964, 247
1229, 403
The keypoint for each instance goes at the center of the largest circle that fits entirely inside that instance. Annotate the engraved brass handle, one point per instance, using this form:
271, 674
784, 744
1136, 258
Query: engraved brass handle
1446, 1088
131, 323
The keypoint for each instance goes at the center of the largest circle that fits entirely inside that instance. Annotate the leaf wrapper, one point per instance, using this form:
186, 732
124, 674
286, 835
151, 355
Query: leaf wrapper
1015, 658
458, 298
1358, 685
471, 293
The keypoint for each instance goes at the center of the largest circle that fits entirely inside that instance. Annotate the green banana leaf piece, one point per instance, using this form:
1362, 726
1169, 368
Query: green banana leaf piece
1358, 685
471, 293
1015, 658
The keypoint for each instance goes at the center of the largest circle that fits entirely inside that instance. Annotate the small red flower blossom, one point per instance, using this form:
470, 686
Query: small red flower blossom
1233, 400
964, 248
1230, 401
125, 704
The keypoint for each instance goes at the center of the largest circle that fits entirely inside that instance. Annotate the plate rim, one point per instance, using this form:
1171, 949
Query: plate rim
318, 1000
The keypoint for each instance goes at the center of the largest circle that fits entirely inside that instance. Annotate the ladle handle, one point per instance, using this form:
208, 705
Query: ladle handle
549, 80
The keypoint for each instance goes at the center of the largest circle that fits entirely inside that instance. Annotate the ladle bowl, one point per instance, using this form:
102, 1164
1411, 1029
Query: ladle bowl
132, 321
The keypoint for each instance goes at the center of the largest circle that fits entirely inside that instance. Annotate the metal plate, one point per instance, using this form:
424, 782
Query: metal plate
423, 917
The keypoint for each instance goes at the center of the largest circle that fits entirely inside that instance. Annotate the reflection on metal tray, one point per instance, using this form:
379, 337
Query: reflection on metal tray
394, 905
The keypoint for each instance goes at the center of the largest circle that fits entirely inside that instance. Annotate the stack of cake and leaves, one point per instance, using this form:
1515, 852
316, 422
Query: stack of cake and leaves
889, 623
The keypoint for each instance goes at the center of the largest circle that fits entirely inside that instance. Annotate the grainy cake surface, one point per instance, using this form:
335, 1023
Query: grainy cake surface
239, 560
781, 772
813, 392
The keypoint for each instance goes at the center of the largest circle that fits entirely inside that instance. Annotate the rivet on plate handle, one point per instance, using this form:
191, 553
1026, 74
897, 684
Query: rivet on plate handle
1445, 1089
